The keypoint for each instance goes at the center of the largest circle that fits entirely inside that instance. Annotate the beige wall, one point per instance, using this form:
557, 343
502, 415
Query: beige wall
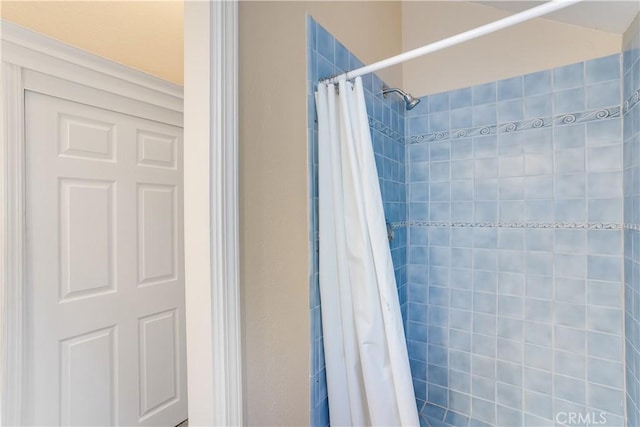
273, 186
528, 47
147, 35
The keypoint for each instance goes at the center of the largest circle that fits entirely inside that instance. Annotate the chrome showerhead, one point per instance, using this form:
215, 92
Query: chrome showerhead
409, 100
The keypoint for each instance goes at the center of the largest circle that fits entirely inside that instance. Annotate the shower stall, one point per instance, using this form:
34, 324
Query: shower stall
515, 211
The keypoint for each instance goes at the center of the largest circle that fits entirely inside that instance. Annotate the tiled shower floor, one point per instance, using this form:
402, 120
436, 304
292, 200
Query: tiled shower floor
436, 416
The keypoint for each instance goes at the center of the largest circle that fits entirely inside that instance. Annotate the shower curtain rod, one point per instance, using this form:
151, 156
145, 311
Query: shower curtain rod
509, 21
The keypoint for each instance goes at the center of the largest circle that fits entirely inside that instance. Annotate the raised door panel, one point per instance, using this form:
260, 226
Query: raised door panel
158, 349
87, 238
157, 243
88, 379
86, 138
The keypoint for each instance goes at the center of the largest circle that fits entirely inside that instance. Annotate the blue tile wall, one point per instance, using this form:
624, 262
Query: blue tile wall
631, 136
515, 205
515, 251
325, 57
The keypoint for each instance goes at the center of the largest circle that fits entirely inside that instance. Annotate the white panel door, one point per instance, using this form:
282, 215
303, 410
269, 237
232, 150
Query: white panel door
105, 285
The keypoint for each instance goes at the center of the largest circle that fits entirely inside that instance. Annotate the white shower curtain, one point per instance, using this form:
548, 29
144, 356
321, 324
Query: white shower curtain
367, 364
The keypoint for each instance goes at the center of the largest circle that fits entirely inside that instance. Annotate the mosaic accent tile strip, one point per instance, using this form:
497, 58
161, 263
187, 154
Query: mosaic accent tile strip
538, 123
631, 101
399, 224
381, 127
552, 225
632, 227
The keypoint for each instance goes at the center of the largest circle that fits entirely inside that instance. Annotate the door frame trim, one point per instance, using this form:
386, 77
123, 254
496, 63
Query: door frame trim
12, 245
211, 259
25, 52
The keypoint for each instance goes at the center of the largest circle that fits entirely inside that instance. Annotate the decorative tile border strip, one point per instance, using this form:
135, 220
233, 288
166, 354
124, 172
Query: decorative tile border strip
538, 123
632, 227
398, 224
631, 101
386, 130
541, 225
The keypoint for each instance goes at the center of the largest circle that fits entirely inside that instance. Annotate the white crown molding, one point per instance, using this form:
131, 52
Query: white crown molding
34, 51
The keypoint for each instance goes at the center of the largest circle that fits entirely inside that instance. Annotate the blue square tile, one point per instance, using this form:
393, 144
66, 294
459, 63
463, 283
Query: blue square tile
483, 388
538, 357
460, 98
568, 339
569, 101
539, 287
603, 95
509, 373
569, 76
434, 411
570, 210
605, 346
460, 381
571, 315
419, 125
603, 69
455, 419
569, 186
570, 136
437, 394
511, 110
604, 132
605, 242
485, 114
510, 351
439, 102
439, 121
538, 106
325, 43
325, 68
537, 380
459, 360
510, 88
418, 153
604, 319
461, 118
570, 364
606, 399
537, 83
462, 169
341, 57
459, 402
539, 210
483, 94
540, 187
483, 410
569, 389
538, 333
440, 152
462, 149
537, 310
605, 268
604, 372
508, 395
570, 160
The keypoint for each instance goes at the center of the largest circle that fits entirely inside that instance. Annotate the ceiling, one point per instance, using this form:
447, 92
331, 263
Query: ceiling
605, 15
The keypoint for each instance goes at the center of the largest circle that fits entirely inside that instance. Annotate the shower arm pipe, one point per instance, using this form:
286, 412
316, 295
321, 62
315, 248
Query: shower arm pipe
500, 24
